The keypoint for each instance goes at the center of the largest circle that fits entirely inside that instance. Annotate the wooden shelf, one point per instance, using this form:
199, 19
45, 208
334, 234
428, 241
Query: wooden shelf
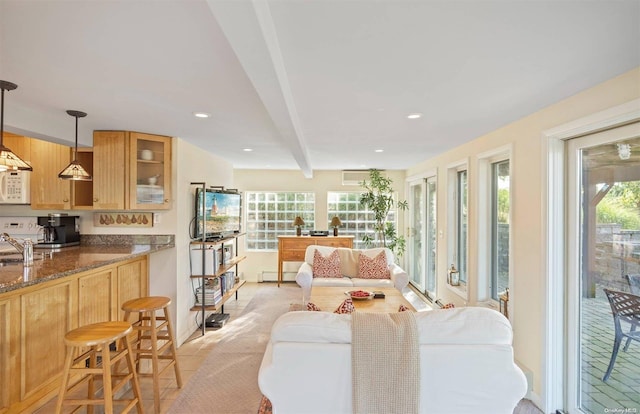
215, 242
225, 297
222, 269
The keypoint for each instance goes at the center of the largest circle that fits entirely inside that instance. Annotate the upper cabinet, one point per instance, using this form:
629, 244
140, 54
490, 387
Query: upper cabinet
149, 171
131, 171
48, 192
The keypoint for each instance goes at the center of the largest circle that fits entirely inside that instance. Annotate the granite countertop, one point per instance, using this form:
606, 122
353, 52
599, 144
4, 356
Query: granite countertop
93, 252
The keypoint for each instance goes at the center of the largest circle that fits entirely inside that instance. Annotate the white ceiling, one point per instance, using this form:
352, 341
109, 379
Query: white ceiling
308, 84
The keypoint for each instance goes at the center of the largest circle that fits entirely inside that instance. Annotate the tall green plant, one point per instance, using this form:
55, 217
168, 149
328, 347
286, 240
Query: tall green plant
378, 197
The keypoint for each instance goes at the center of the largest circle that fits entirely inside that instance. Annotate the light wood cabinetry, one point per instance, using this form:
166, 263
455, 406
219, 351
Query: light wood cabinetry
132, 171
48, 192
293, 248
21, 146
149, 171
34, 320
110, 169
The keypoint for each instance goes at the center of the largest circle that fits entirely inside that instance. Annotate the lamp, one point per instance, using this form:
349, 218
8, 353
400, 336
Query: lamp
9, 160
74, 171
335, 222
298, 222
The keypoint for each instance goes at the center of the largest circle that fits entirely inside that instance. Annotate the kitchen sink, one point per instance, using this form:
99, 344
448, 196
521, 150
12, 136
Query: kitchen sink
17, 258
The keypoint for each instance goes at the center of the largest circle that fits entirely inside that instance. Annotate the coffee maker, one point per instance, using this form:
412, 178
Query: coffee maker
60, 230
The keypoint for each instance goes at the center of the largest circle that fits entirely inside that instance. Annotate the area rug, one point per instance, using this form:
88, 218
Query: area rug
227, 380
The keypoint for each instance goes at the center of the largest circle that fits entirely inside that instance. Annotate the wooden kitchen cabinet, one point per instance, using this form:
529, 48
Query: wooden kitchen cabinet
34, 320
132, 171
48, 192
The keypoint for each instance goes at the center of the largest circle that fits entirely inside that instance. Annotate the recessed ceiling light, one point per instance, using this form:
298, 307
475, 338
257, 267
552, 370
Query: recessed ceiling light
247, 149
379, 150
201, 115
415, 115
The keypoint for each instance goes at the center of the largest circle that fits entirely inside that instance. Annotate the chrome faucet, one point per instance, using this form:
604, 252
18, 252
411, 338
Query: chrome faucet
4, 237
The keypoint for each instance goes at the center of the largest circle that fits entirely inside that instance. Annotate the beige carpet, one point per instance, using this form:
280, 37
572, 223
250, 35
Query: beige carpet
227, 381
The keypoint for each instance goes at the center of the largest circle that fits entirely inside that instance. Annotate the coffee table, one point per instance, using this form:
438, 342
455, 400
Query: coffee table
329, 298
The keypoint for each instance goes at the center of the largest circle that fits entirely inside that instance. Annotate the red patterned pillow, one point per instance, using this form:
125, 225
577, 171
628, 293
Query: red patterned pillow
375, 268
326, 266
313, 307
449, 306
403, 308
345, 307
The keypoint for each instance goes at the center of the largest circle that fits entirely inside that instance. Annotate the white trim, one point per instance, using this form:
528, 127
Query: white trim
422, 175
554, 389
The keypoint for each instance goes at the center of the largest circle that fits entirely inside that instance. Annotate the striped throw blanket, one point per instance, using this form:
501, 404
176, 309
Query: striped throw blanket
385, 358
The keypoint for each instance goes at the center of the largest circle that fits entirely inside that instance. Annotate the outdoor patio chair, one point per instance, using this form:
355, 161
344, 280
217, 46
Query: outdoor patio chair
625, 308
634, 283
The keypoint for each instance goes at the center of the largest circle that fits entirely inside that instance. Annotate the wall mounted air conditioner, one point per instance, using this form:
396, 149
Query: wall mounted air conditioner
355, 177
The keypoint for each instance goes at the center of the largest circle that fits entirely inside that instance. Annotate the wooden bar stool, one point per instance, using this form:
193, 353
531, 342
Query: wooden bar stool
97, 338
150, 329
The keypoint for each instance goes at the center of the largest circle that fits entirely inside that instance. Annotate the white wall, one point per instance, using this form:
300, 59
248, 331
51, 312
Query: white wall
191, 164
282, 180
528, 245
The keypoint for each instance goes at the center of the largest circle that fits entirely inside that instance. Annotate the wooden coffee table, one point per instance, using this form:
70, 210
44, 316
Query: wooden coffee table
329, 298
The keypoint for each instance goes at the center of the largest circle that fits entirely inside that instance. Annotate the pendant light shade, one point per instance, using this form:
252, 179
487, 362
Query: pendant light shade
75, 171
8, 160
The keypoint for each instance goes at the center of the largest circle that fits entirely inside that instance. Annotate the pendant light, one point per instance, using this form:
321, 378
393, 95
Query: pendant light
74, 171
9, 160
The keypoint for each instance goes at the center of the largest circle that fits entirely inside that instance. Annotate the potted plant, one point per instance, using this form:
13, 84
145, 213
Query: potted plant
378, 197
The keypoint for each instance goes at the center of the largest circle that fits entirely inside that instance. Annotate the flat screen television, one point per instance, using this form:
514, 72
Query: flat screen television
221, 212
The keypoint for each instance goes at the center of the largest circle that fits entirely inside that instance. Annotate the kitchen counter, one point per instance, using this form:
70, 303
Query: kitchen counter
92, 253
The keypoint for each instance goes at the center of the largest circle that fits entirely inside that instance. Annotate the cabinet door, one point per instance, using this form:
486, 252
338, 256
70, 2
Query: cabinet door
93, 307
48, 192
9, 334
132, 282
150, 171
109, 169
47, 315
21, 146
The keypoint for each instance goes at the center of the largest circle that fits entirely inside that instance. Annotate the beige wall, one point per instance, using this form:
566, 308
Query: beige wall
279, 180
525, 137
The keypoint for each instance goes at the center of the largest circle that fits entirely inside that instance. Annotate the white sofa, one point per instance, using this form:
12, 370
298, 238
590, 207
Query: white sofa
349, 268
466, 363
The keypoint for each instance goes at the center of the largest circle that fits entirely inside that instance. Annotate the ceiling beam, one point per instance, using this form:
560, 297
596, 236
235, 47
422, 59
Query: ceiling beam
251, 33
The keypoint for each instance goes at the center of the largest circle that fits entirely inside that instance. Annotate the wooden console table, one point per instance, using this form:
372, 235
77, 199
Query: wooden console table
292, 248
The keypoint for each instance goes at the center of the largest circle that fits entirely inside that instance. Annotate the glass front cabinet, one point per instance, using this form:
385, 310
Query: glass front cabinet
149, 171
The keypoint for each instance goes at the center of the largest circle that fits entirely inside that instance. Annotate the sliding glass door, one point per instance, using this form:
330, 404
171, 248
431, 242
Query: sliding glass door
603, 253
422, 238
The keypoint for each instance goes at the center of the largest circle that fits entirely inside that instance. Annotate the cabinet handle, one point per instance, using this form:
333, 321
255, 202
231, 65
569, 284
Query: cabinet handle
166, 200
95, 200
66, 200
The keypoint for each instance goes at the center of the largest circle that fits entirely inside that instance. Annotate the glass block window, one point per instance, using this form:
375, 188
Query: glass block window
356, 219
271, 214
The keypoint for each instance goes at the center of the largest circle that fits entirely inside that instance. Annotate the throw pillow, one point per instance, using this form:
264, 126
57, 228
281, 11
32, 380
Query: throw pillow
373, 268
402, 308
345, 307
326, 266
313, 307
449, 306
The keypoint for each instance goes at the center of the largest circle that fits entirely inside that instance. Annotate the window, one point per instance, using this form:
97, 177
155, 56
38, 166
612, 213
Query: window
356, 220
431, 237
499, 228
271, 214
461, 223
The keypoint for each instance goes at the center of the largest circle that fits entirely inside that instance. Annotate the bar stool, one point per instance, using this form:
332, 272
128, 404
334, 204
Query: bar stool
150, 329
97, 338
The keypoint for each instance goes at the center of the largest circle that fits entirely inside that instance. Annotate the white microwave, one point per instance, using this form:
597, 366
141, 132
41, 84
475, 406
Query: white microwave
15, 187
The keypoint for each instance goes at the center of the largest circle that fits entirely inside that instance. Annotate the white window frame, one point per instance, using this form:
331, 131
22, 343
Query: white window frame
452, 210
485, 224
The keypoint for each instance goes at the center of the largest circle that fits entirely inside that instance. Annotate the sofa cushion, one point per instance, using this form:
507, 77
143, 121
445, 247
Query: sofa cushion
373, 268
356, 282
326, 266
471, 325
332, 281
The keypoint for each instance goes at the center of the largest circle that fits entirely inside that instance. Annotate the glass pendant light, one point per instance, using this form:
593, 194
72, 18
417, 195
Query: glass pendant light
8, 160
75, 171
